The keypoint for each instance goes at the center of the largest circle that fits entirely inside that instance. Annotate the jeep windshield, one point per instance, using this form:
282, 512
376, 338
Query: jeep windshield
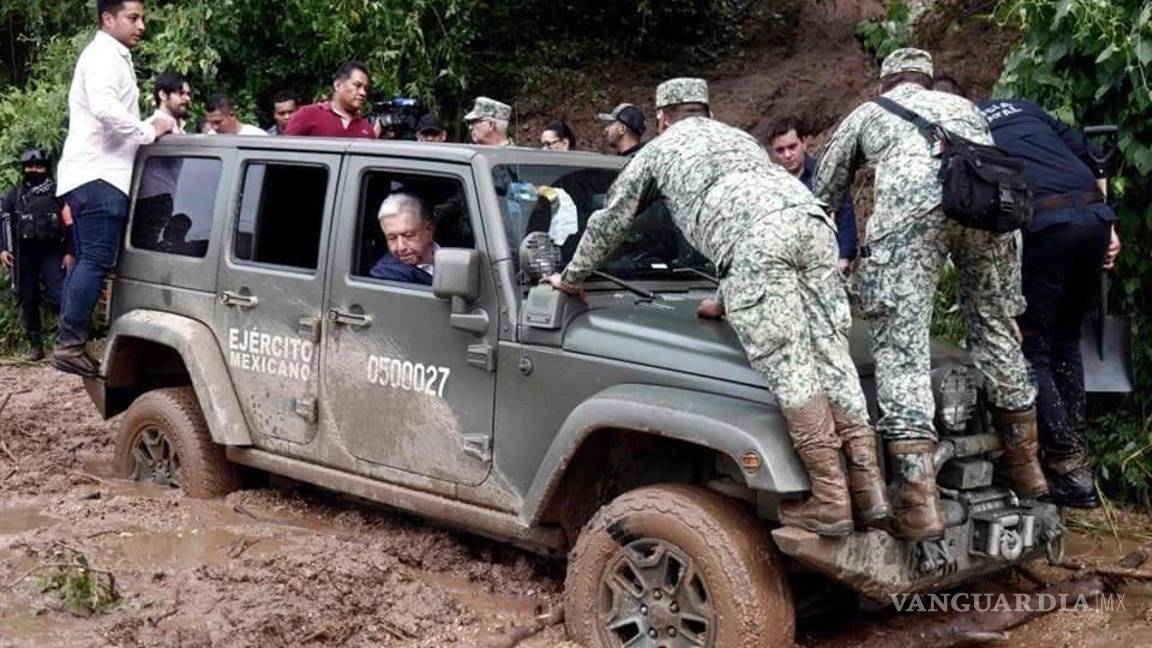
558, 200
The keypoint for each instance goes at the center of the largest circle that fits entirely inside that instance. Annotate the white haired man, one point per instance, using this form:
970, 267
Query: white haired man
409, 230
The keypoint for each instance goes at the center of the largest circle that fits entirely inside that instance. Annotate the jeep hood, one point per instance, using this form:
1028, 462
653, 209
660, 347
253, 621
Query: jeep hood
667, 334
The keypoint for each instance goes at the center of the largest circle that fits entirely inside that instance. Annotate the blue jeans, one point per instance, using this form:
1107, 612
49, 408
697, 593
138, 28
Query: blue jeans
99, 212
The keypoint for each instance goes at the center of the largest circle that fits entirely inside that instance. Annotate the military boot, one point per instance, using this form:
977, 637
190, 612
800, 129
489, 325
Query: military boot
865, 482
916, 510
1019, 466
1071, 481
35, 352
827, 511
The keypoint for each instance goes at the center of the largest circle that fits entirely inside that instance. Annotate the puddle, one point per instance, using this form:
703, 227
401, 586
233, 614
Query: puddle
189, 548
482, 602
20, 519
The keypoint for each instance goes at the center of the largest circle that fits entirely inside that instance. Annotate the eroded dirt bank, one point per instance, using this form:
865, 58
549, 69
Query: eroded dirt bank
282, 565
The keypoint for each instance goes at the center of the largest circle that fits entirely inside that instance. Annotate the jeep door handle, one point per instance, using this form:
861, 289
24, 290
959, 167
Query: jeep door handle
356, 320
230, 298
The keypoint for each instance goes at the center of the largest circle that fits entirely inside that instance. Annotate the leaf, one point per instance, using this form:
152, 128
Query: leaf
1056, 50
1106, 54
1062, 10
1144, 50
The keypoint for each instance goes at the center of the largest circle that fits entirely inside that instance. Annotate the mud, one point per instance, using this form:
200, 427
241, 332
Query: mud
280, 564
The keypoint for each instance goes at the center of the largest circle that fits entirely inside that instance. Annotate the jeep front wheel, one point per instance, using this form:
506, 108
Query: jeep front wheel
165, 440
677, 566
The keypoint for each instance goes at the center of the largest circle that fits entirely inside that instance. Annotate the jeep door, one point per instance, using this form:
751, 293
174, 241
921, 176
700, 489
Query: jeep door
270, 291
404, 388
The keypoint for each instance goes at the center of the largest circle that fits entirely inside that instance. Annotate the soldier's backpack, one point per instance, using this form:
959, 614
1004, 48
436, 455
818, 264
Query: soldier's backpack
983, 187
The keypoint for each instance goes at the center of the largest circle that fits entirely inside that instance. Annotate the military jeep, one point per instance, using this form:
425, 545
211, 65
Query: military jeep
247, 331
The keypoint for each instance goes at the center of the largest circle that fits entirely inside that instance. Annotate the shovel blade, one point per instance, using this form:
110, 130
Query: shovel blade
1106, 350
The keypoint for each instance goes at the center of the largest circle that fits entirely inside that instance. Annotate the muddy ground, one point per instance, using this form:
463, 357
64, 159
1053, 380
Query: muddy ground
279, 564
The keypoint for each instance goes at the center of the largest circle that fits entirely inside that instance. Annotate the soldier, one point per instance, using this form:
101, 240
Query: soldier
32, 245
488, 122
906, 242
775, 249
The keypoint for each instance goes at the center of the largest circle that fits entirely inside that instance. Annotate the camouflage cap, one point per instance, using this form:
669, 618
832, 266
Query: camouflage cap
908, 59
680, 91
487, 108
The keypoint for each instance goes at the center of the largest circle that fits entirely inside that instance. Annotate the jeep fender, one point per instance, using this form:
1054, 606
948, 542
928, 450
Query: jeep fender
729, 425
197, 346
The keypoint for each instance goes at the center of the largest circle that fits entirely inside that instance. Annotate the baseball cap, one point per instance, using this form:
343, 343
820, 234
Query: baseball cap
629, 115
429, 122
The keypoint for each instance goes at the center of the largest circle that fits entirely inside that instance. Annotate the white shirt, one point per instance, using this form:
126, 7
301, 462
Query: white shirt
178, 129
430, 268
104, 127
246, 129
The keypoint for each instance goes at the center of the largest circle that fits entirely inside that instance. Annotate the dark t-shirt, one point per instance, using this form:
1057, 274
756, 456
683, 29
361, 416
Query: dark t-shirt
319, 120
846, 237
1057, 156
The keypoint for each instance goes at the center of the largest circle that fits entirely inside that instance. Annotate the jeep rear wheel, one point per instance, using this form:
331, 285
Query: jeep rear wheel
165, 440
677, 566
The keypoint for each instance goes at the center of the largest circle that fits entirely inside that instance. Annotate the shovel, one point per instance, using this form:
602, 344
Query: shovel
1106, 340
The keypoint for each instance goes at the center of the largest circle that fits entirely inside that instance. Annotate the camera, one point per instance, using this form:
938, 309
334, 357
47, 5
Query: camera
398, 115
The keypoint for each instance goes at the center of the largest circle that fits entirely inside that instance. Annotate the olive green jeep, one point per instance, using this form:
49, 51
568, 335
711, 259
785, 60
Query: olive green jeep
250, 328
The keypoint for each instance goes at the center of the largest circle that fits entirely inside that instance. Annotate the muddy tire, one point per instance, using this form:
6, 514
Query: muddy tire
165, 440
682, 558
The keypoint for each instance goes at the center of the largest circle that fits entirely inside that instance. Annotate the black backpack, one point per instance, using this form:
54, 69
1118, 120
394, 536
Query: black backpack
984, 187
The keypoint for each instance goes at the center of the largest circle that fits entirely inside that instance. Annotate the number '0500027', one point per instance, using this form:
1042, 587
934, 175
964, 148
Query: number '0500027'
418, 377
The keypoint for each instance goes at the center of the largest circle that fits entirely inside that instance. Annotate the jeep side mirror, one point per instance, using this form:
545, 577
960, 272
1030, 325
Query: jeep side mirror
457, 274
457, 278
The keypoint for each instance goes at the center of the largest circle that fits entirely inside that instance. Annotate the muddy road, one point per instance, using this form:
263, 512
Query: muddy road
280, 564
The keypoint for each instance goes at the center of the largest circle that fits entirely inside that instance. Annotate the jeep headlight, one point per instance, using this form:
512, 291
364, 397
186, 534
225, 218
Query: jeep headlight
955, 388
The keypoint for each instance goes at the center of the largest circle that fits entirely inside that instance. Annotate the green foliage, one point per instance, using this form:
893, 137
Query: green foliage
948, 321
883, 36
1088, 62
82, 590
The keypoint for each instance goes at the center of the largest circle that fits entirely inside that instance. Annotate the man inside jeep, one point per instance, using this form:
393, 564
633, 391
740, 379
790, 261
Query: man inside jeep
408, 228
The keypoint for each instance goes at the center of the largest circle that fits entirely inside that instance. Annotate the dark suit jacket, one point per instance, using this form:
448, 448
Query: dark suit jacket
393, 269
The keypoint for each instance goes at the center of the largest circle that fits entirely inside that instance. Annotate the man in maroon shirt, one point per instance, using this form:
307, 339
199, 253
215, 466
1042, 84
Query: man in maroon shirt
341, 116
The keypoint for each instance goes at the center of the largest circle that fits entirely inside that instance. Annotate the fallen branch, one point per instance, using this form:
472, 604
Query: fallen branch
38, 568
85, 475
240, 546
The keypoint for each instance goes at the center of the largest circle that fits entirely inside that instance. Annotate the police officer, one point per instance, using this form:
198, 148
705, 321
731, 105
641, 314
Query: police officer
776, 250
907, 240
1070, 237
32, 245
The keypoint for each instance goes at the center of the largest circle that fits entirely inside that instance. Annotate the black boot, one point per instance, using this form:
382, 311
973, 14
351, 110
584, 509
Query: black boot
74, 359
1071, 482
35, 352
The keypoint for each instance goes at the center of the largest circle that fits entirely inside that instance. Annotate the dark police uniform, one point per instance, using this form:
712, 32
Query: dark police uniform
32, 216
1064, 247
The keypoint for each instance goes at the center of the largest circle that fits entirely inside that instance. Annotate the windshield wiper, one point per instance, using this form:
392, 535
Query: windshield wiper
698, 273
630, 287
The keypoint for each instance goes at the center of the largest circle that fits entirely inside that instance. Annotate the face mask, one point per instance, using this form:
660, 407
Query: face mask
35, 178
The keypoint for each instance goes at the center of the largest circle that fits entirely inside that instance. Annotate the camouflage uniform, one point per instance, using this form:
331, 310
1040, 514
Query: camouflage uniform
771, 239
909, 238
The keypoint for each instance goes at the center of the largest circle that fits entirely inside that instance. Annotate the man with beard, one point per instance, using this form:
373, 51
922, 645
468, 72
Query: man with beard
154, 204
32, 246
625, 126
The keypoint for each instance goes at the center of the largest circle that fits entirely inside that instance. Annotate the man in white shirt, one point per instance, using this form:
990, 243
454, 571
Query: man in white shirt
104, 131
221, 116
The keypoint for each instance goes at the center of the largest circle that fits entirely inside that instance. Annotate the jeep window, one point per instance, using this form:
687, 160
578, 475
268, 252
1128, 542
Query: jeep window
443, 197
174, 205
559, 199
281, 215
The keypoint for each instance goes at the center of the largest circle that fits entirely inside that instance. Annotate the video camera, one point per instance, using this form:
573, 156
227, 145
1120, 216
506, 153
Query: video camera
399, 114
